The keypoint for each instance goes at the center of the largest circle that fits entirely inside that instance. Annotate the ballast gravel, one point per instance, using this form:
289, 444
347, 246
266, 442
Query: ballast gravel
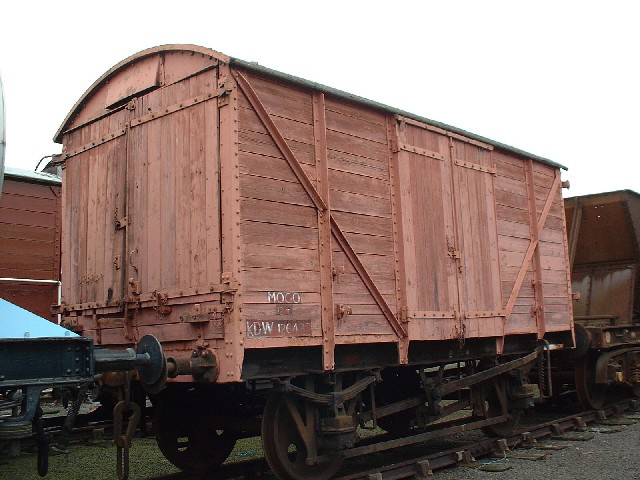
608, 456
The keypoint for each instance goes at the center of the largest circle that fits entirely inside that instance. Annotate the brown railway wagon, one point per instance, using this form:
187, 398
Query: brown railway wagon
604, 252
264, 227
30, 224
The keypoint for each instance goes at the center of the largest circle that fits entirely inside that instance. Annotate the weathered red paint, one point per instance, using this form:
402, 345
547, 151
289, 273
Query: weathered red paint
196, 195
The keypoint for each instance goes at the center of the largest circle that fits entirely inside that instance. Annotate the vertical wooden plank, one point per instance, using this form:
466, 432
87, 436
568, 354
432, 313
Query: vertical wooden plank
101, 204
407, 233
456, 240
168, 196
492, 219
154, 192
131, 180
83, 185
398, 244
466, 240
183, 191
212, 162
535, 236
108, 220
450, 269
324, 232
234, 329
196, 159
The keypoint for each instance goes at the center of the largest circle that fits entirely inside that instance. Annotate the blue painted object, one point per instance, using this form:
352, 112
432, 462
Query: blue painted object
16, 322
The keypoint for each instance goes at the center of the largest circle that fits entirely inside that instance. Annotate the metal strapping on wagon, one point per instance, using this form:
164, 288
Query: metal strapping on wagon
136, 122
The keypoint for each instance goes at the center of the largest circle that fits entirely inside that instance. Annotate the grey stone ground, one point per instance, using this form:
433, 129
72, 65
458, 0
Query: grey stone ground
612, 456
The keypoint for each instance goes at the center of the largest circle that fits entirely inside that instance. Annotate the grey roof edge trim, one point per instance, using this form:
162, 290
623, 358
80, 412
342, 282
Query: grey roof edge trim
625, 191
28, 175
386, 108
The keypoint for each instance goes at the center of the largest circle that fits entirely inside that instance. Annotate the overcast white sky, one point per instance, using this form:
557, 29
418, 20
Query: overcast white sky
559, 79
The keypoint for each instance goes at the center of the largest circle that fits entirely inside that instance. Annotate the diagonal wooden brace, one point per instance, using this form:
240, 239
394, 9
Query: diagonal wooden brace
364, 275
280, 142
316, 198
532, 246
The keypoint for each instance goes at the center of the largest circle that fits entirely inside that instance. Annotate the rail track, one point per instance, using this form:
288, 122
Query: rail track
423, 466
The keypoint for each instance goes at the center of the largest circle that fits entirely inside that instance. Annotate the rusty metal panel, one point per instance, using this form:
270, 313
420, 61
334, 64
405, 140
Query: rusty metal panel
30, 243
606, 292
605, 231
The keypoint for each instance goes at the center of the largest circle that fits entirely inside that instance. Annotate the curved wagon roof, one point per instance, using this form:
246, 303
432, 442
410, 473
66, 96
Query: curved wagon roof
124, 86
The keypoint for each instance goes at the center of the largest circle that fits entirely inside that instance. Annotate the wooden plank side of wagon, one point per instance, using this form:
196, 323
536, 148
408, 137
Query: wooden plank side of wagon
29, 244
274, 128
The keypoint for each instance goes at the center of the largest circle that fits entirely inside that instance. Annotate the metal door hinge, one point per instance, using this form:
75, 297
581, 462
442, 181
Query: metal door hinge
342, 311
403, 314
135, 286
455, 254
226, 87
122, 222
452, 251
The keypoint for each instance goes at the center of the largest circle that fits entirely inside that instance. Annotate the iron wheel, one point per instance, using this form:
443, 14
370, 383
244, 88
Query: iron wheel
187, 443
497, 405
284, 447
590, 394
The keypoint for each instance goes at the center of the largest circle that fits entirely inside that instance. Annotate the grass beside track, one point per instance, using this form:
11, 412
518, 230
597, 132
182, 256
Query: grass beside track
98, 462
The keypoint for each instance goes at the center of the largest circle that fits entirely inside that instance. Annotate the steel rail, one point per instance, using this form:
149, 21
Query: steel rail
423, 466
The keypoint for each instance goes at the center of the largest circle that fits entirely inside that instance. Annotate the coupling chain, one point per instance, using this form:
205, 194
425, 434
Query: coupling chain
123, 441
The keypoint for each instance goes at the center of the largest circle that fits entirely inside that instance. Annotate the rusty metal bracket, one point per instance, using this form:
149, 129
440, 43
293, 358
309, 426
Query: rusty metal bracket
474, 166
421, 151
88, 146
456, 385
122, 223
334, 398
160, 307
190, 102
342, 311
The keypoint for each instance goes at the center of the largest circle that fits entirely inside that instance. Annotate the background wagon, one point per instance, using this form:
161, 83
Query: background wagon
604, 252
30, 228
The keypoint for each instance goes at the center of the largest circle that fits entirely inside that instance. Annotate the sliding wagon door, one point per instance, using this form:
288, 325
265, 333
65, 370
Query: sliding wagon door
429, 233
478, 267
450, 237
